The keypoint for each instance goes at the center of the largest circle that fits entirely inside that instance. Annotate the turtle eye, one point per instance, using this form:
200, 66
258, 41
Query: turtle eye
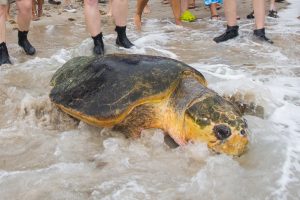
221, 131
243, 132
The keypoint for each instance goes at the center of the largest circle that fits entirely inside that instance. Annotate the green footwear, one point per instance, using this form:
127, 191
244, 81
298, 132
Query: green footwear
187, 16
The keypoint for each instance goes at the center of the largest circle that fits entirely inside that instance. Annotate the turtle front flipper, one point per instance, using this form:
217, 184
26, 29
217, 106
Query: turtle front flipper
246, 104
142, 117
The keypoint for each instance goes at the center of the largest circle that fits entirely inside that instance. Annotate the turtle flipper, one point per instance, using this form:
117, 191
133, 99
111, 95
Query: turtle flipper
245, 105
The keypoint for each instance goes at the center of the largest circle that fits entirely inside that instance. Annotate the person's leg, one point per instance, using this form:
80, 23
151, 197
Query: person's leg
273, 10
34, 12
40, 7
109, 9
213, 11
8, 17
140, 5
272, 5
2, 23
185, 14
259, 12
147, 9
120, 13
230, 8
93, 23
4, 56
184, 5
68, 7
23, 19
192, 4
176, 7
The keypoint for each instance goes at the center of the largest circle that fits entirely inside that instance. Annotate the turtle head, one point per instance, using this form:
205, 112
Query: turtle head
219, 123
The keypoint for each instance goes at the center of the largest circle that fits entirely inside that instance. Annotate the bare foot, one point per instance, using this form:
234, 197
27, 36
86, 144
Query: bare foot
109, 13
178, 22
147, 9
215, 17
35, 18
138, 22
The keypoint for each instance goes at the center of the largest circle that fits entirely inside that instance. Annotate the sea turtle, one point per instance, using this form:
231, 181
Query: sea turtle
135, 92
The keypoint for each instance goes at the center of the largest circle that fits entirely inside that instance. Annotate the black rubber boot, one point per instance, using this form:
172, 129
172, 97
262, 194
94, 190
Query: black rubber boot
122, 39
98, 44
251, 15
24, 43
260, 34
231, 32
4, 57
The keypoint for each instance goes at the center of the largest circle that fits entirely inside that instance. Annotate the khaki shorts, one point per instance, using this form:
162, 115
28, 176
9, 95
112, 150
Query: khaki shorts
6, 2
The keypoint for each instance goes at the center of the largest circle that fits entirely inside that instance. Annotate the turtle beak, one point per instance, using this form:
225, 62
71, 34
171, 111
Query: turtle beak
236, 145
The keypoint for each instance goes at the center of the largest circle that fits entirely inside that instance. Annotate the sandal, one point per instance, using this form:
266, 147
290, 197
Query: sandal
192, 6
215, 17
273, 13
251, 15
165, 2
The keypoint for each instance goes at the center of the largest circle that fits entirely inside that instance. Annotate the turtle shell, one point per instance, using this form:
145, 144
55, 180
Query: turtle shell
104, 90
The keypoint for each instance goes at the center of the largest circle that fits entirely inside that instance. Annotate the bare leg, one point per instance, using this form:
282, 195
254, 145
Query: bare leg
120, 12
230, 9
109, 9
92, 17
184, 5
4, 56
140, 5
213, 11
192, 4
259, 13
24, 16
40, 8
175, 4
2, 23
272, 5
34, 12
147, 9
24, 19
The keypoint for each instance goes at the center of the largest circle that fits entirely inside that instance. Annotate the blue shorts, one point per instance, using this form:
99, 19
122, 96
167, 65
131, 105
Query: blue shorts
208, 2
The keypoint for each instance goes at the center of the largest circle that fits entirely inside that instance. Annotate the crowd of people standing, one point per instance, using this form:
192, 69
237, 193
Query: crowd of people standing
32, 9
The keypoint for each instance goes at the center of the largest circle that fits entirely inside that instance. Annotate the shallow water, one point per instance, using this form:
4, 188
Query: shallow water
44, 154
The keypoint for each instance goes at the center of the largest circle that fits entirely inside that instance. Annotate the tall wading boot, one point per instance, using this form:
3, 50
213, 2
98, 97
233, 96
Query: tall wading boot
122, 39
231, 32
260, 34
98, 44
4, 57
24, 43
